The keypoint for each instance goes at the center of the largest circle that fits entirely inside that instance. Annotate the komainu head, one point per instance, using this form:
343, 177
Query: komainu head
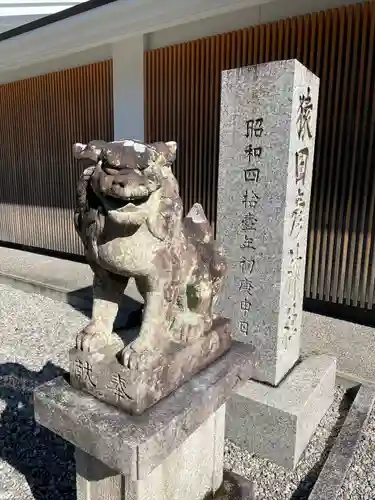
131, 179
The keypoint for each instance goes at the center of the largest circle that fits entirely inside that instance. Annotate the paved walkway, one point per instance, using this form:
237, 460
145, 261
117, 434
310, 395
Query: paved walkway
58, 279
36, 334
354, 345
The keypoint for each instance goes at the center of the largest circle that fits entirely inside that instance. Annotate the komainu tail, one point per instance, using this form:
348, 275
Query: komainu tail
199, 231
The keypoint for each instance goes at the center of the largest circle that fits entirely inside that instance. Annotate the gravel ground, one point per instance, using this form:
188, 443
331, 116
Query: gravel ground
360, 481
273, 482
35, 335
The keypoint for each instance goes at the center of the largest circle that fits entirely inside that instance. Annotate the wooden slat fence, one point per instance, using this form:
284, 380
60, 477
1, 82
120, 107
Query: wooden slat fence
182, 89
41, 118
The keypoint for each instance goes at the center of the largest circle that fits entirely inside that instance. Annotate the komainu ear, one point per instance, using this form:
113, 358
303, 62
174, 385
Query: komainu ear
89, 152
166, 149
78, 150
172, 146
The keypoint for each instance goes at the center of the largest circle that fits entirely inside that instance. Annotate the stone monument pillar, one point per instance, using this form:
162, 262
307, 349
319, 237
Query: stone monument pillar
146, 410
267, 139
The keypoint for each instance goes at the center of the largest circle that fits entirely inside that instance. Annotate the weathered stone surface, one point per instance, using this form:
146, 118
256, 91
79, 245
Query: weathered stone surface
277, 422
102, 375
332, 476
267, 135
95, 481
183, 475
135, 446
129, 216
235, 487
193, 470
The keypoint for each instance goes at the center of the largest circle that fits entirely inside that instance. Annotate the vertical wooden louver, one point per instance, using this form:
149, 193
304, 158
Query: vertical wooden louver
41, 118
182, 89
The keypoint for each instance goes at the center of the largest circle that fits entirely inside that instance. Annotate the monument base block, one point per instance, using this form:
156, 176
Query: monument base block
172, 451
134, 390
277, 423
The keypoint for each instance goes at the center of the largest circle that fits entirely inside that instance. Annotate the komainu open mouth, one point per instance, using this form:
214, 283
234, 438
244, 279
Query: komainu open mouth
120, 203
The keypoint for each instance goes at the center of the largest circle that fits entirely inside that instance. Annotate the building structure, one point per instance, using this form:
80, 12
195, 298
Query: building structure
14, 13
146, 69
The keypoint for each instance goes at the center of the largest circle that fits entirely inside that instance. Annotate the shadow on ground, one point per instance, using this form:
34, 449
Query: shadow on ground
308, 482
129, 314
45, 460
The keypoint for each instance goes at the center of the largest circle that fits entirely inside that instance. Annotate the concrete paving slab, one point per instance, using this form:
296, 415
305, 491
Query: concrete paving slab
328, 485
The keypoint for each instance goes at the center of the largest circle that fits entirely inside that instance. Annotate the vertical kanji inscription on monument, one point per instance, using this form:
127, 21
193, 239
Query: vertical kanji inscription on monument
267, 138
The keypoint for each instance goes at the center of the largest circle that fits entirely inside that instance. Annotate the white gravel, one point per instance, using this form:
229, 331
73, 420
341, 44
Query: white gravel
35, 336
273, 482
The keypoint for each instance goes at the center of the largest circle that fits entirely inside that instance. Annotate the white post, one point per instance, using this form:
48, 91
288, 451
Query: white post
128, 94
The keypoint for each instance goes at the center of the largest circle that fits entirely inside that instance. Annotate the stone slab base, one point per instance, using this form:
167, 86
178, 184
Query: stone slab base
184, 475
179, 478
175, 450
135, 445
135, 390
277, 422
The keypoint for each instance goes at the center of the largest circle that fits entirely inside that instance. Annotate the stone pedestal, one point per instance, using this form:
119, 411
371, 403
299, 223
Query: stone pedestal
172, 451
191, 471
278, 422
267, 136
134, 390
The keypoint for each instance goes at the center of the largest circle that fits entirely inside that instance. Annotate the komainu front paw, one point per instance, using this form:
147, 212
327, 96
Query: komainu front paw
92, 338
133, 359
140, 354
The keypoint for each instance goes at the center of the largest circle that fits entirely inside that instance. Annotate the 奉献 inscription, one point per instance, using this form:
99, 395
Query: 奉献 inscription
118, 386
83, 371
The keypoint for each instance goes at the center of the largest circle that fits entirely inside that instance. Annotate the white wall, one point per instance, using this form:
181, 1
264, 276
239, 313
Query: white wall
128, 97
14, 13
101, 53
265, 13
272, 11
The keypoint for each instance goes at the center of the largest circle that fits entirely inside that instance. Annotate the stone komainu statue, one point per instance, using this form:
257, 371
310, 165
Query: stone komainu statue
129, 216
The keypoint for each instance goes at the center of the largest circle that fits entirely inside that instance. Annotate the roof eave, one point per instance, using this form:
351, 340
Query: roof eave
106, 23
